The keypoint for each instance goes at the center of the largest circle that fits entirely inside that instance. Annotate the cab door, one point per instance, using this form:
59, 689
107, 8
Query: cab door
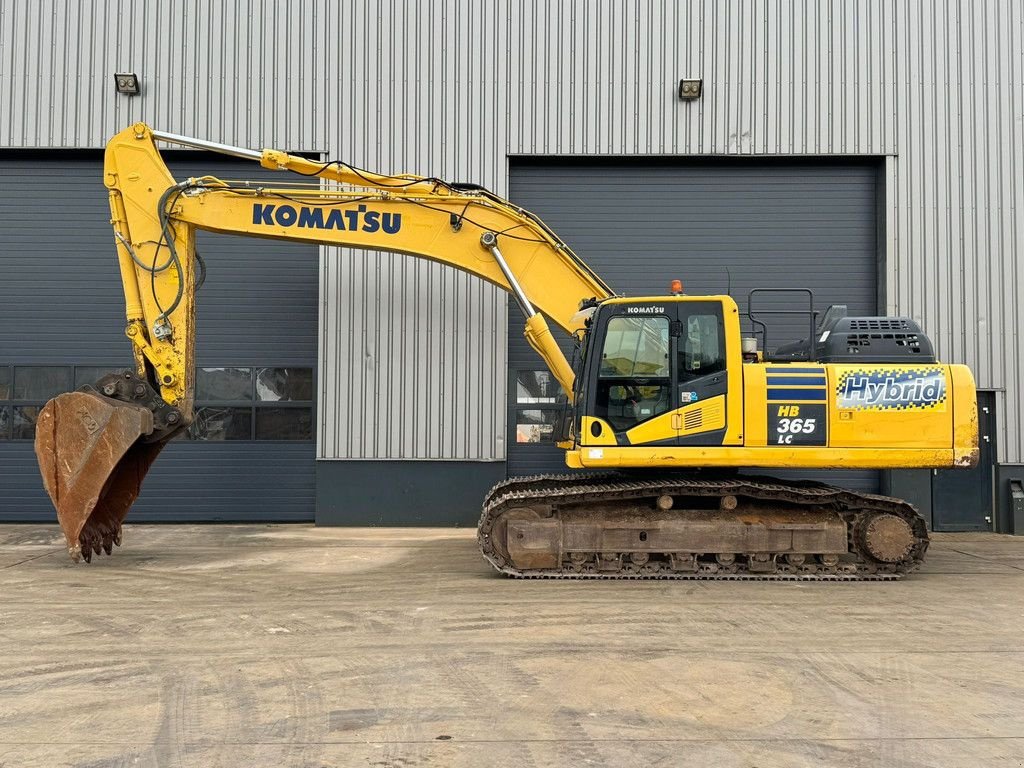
631, 391
701, 373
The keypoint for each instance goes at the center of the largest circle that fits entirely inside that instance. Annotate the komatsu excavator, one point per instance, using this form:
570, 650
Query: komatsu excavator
666, 400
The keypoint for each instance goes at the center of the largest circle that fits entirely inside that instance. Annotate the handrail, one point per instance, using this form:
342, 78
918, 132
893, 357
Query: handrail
811, 314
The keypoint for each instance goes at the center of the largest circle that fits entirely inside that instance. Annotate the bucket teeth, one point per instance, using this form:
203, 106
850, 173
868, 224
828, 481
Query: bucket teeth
95, 539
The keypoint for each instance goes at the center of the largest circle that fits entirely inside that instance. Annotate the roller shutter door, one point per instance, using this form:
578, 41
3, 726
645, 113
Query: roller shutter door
61, 305
718, 225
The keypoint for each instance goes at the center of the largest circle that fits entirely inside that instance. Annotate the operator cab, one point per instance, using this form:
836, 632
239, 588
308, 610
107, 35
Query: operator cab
648, 363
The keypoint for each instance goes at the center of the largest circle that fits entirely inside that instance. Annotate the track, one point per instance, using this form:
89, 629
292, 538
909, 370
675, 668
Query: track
616, 526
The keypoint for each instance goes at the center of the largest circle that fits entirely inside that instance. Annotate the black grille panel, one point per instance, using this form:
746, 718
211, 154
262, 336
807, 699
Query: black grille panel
876, 340
879, 324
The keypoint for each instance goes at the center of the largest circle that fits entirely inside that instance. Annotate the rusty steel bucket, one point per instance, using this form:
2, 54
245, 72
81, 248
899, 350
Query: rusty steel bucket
93, 458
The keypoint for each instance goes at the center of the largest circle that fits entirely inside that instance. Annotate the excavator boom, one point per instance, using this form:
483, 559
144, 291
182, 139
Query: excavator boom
95, 446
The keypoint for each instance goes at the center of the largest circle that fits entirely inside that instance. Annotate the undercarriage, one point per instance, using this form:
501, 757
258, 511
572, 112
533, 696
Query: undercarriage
694, 527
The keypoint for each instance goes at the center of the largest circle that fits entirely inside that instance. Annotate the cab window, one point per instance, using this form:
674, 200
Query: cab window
634, 379
700, 349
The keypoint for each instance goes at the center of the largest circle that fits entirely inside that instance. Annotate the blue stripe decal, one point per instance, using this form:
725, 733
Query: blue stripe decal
796, 381
785, 371
797, 394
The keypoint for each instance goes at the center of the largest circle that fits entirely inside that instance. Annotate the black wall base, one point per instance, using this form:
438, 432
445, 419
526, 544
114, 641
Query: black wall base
396, 493
1008, 519
448, 493
913, 485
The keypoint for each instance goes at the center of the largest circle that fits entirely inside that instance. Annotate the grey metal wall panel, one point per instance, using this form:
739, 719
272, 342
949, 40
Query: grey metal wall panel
414, 493
413, 354
60, 296
61, 303
227, 70
191, 482
956, 227
451, 87
229, 481
780, 77
716, 224
771, 223
411, 364
61, 299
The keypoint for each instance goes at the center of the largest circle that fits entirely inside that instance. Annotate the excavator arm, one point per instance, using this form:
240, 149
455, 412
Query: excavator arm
95, 446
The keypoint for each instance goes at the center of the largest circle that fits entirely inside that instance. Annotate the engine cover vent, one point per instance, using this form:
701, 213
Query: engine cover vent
879, 324
842, 339
874, 340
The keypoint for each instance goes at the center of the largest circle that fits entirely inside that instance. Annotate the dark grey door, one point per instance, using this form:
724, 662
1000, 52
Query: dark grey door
962, 498
251, 456
719, 226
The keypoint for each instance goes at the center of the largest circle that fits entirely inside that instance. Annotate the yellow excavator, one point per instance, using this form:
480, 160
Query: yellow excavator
666, 400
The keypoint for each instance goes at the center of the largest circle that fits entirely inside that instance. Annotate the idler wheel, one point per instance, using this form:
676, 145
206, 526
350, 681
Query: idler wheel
888, 538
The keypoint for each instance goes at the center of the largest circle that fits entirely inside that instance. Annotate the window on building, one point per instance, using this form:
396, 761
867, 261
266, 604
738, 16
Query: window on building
536, 425
539, 406
223, 384
41, 382
536, 387
253, 404
88, 374
5, 395
23, 391
232, 403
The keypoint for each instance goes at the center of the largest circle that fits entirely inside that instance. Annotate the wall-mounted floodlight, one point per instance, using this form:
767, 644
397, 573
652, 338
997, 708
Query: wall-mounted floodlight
690, 89
126, 83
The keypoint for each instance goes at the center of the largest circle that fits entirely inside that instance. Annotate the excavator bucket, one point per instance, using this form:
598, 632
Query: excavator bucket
92, 458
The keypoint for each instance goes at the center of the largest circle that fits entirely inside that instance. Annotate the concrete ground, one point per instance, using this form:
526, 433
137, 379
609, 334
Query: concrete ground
295, 646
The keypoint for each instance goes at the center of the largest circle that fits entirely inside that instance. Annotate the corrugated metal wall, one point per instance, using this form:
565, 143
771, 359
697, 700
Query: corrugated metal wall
451, 87
61, 303
251, 73
414, 353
